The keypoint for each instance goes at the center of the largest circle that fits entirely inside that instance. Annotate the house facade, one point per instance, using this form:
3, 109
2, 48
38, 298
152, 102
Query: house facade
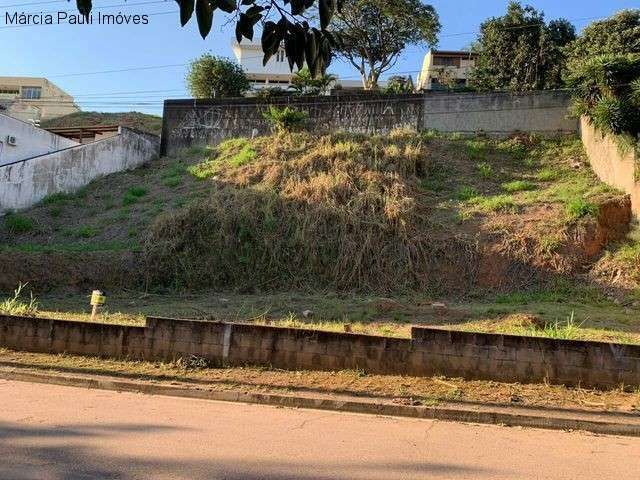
34, 99
445, 70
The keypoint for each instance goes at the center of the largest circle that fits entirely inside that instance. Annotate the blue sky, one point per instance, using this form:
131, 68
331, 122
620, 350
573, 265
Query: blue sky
67, 54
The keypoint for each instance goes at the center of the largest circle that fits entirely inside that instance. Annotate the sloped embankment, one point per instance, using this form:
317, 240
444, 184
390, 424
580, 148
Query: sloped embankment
399, 212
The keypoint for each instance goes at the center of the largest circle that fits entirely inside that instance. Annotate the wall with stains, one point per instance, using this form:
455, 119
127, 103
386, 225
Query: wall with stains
189, 123
25, 183
429, 351
30, 140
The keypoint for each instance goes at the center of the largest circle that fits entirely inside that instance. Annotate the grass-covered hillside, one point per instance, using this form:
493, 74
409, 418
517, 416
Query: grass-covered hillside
366, 232
139, 121
392, 213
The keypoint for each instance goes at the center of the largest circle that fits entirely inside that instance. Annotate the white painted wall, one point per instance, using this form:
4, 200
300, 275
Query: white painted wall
30, 140
25, 183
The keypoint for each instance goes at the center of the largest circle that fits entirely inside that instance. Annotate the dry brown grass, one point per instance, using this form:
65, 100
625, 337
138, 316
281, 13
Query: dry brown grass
375, 214
338, 211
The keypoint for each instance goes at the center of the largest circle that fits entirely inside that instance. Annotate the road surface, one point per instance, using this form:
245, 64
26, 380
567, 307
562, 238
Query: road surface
53, 433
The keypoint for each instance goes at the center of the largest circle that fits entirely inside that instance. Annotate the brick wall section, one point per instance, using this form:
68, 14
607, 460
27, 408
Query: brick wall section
429, 351
188, 123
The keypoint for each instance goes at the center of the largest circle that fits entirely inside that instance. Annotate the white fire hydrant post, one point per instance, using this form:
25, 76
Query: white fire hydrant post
97, 300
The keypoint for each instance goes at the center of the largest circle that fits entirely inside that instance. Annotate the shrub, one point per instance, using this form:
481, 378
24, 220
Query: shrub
604, 89
15, 305
211, 76
18, 224
286, 119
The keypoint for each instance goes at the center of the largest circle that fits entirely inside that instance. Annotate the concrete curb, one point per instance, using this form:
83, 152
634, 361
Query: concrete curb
553, 419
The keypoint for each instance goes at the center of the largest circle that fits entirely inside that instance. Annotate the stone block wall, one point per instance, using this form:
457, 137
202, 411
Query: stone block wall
428, 352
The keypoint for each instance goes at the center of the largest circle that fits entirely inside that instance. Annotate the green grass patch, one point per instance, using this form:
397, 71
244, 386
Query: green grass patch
133, 195
16, 306
235, 152
494, 203
86, 231
484, 169
518, 186
57, 198
55, 212
579, 207
18, 224
476, 149
466, 193
548, 175
172, 182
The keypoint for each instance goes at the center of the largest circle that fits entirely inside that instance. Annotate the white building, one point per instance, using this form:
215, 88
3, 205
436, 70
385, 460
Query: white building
445, 69
276, 72
20, 140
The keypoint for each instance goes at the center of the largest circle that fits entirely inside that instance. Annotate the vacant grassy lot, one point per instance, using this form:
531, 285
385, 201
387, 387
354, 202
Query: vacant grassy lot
371, 230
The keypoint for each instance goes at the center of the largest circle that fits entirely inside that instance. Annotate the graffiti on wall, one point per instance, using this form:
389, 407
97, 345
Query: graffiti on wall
193, 124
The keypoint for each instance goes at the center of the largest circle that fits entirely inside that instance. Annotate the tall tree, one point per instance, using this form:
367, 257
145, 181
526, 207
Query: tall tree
374, 33
210, 76
616, 35
281, 21
520, 52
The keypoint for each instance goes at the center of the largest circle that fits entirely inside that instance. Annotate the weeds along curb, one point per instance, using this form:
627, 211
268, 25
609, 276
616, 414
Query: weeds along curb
551, 419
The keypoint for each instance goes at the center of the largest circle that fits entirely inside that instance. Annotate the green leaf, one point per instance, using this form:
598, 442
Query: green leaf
186, 10
326, 12
204, 14
310, 50
228, 6
84, 7
245, 25
297, 7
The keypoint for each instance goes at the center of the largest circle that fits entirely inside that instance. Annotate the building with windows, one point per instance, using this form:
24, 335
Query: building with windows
34, 99
276, 72
445, 70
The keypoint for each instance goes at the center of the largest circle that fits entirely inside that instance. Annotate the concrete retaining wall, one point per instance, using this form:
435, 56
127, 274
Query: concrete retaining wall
613, 167
428, 352
26, 182
499, 113
188, 123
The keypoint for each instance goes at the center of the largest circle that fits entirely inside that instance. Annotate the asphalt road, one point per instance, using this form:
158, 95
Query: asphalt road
52, 433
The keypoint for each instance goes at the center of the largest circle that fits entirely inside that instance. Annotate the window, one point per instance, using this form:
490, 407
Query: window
447, 61
31, 93
280, 56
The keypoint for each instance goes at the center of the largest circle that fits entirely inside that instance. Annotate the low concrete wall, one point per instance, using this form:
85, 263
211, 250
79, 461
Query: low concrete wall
188, 123
499, 113
611, 166
428, 352
30, 140
25, 183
